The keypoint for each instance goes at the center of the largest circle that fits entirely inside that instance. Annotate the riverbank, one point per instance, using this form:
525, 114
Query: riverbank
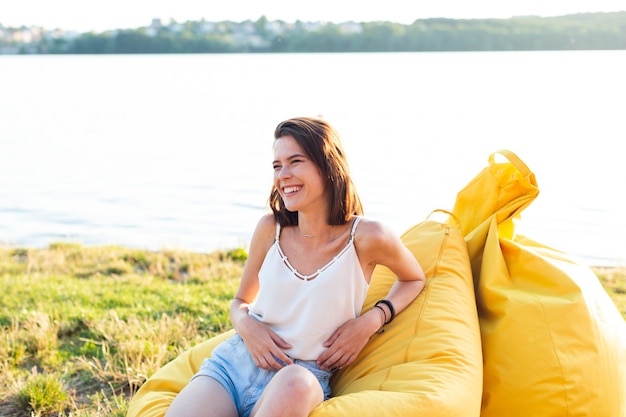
83, 327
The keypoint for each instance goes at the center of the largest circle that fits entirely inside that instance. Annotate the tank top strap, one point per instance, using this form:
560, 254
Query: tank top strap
353, 230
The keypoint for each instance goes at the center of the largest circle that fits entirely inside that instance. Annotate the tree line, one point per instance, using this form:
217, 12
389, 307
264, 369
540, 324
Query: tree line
586, 31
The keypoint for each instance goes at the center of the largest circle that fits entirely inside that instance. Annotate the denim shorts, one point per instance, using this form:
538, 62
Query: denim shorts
232, 366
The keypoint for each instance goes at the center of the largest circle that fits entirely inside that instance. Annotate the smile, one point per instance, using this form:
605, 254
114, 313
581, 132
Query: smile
291, 190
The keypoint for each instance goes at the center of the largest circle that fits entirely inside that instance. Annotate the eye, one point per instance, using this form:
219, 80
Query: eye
276, 167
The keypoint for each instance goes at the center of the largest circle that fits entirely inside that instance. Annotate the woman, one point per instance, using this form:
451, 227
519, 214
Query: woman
297, 310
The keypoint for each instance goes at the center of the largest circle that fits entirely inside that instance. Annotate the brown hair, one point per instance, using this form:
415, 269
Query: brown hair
321, 143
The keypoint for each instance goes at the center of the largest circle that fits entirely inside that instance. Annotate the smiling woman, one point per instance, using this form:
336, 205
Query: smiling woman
428, 361
298, 313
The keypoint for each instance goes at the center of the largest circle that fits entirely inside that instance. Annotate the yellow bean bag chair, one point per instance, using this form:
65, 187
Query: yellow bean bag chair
428, 361
554, 344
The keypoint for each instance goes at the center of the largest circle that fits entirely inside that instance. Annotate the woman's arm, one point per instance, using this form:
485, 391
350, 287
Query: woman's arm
375, 245
383, 247
262, 343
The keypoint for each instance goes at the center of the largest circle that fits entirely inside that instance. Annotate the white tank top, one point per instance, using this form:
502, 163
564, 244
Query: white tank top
305, 310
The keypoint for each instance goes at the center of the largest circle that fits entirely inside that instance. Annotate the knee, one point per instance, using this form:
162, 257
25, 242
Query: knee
294, 391
298, 381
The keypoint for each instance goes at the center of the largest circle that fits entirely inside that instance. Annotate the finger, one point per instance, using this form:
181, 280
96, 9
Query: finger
270, 363
334, 351
341, 364
282, 359
261, 363
325, 356
332, 362
279, 341
333, 338
348, 362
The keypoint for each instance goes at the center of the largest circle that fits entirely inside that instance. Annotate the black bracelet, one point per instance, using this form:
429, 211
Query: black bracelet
384, 313
392, 311
381, 330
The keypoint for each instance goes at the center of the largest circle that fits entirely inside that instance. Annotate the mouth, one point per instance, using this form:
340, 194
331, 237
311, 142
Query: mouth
287, 191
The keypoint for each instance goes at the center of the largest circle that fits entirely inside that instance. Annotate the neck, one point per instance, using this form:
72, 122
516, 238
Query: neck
315, 234
314, 230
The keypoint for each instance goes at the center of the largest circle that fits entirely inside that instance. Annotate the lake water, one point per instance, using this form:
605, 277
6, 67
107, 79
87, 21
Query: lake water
174, 151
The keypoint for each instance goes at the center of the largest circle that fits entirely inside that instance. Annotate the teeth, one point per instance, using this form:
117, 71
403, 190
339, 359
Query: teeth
289, 190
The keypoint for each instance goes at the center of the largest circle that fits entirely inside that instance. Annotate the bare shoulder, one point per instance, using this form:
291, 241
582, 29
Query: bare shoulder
372, 232
378, 244
374, 239
266, 224
263, 235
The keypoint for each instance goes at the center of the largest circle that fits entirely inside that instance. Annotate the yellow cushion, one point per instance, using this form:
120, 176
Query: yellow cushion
427, 362
554, 344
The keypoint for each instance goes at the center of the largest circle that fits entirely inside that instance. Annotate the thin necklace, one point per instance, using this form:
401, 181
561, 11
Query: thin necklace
308, 235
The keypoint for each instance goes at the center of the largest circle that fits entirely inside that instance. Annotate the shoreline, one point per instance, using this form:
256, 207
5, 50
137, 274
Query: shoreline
605, 269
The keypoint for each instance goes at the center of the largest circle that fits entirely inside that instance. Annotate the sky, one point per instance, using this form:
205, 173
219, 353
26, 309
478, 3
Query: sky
100, 15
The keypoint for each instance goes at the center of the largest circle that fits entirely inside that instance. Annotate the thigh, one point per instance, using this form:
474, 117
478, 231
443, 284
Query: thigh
203, 397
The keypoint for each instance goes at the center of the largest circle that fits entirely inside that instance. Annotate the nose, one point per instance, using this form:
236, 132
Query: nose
283, 172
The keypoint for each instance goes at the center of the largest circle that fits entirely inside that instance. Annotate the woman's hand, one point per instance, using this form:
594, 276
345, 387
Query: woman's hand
348, 340
263, 344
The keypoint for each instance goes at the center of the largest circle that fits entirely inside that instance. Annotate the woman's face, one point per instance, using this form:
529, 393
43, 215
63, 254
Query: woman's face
298, 180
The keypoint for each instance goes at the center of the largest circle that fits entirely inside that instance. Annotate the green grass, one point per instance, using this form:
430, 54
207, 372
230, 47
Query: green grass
81, 328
